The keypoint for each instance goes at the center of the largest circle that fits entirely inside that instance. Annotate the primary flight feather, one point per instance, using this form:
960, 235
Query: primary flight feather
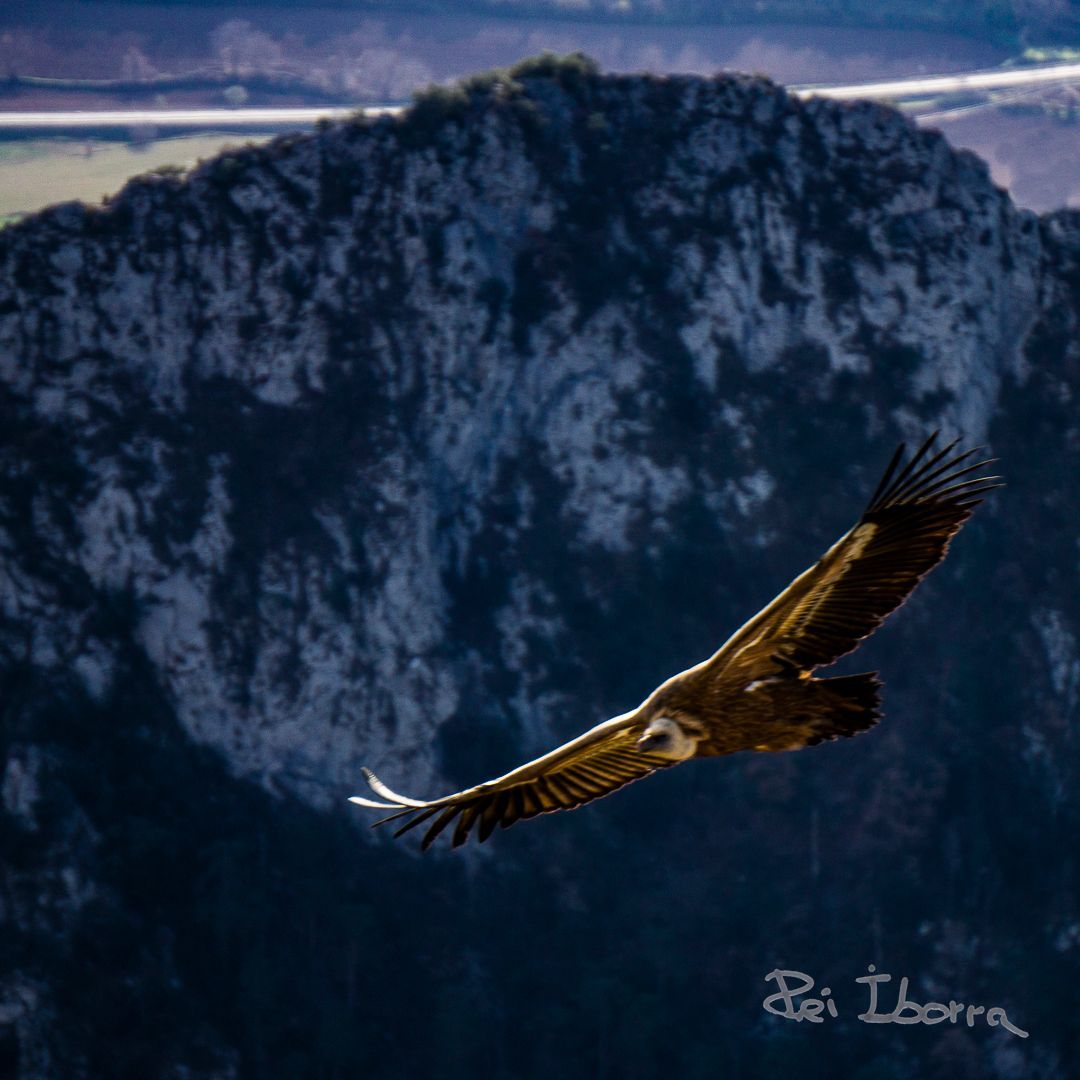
757, 692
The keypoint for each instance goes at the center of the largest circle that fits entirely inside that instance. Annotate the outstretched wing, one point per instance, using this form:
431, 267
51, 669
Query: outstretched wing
872, 569
595, 764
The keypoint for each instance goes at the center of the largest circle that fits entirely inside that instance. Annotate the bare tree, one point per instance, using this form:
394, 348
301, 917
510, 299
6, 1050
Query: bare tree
378, 74
136, 64
243, 50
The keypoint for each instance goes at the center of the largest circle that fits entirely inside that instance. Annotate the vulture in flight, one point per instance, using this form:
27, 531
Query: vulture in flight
758, 692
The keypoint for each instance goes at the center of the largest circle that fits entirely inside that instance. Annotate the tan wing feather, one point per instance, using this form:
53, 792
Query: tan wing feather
871, 570
593, 765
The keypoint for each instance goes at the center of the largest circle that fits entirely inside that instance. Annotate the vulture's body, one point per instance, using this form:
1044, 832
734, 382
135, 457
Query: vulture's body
757, 692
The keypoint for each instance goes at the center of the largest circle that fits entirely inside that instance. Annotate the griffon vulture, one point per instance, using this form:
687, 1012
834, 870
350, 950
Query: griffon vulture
758, 691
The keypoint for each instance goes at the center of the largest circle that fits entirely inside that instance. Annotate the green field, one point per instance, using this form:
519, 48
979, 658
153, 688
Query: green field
35, 173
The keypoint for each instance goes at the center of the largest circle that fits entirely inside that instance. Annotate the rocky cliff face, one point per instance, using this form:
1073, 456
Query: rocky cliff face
424, 443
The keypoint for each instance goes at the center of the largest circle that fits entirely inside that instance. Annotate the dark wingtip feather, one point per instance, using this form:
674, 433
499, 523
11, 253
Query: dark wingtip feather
932, 477
491, 815
886, 477
915, 467
393, 817
464, 825
418, 818
440, 823
922, 480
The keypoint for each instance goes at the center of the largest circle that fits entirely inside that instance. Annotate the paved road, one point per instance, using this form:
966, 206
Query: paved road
213, 119
944, 84
226, 119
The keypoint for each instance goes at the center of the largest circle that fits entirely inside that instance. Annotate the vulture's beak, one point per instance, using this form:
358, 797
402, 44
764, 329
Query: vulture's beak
652, 740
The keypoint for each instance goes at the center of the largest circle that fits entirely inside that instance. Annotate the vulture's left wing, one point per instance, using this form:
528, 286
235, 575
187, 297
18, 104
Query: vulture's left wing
871, 570
595, 764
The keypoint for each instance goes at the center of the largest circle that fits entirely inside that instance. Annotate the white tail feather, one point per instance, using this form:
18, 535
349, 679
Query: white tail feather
380, 788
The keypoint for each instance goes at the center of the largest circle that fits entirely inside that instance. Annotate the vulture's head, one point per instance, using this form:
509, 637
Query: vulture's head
665, 737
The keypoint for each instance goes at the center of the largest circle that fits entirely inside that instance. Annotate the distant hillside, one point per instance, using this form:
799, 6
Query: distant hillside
1014, 21
425, 442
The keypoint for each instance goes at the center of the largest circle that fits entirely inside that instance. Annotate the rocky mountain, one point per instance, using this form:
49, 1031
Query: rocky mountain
425, 442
